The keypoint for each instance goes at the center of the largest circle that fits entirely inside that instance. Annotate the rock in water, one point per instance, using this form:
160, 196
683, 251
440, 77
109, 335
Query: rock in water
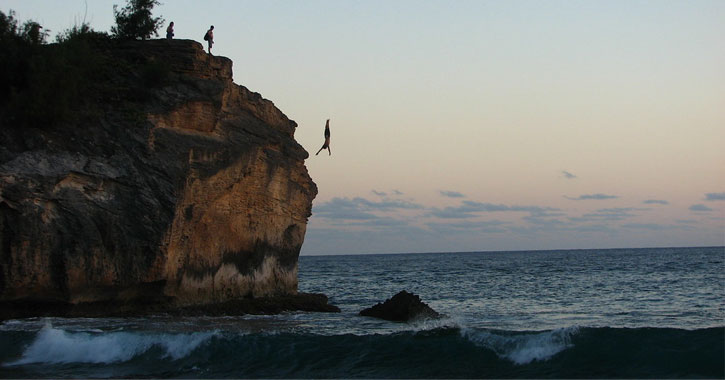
403, 307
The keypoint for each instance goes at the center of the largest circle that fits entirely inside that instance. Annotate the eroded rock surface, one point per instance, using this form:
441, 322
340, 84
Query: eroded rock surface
196, 193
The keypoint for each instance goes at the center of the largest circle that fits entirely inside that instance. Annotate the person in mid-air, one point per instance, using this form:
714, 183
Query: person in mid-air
326, 145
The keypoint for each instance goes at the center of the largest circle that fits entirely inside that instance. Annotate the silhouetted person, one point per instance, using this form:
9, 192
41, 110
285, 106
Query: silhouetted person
170, 31
209, 37
326, 145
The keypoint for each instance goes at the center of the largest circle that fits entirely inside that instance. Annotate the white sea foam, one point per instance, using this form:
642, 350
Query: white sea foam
53, 345
523, 348
436, 323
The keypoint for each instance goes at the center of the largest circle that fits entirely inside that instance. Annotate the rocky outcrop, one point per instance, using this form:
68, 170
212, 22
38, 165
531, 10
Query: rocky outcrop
402, 307
141, 306
194, 191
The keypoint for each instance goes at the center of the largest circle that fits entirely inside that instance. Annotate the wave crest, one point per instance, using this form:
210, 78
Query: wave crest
53, 345
523, 348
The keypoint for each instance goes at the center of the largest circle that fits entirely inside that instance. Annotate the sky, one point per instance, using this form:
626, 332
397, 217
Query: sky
481, 125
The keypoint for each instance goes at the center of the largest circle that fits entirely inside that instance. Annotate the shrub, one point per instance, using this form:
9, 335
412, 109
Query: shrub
44, 85
81, 33
134, 21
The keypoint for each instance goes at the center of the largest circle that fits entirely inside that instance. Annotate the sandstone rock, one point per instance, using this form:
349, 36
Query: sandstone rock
197, 194
402, 307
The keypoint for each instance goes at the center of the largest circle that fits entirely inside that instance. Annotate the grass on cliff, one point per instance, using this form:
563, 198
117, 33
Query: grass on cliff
64, 83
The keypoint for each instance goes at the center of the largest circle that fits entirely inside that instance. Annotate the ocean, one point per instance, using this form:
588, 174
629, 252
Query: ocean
615, 313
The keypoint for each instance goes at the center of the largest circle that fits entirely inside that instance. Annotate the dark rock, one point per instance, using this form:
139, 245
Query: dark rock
191, 191
264, 305
25, 308
403, 307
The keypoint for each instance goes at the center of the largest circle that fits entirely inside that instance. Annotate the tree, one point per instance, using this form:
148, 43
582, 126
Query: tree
8, 25
30, 32
33, 33
82, 32
134, 20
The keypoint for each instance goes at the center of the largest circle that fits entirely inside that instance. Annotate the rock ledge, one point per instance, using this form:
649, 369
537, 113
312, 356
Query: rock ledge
164, 305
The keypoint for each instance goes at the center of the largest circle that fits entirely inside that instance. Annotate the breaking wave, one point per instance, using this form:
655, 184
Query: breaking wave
431, 352
53, 345
523, 348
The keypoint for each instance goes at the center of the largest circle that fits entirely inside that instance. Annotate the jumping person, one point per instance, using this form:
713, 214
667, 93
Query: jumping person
170, 31
326, 145
209, 37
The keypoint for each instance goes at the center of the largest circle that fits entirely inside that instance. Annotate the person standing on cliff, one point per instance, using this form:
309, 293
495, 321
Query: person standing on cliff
209, 37
326, 145
170, 31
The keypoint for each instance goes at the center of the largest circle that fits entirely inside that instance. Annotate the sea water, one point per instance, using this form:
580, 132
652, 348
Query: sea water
626, 313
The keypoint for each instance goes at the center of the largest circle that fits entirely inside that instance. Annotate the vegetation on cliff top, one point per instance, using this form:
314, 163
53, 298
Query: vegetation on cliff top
44, 85
135, 20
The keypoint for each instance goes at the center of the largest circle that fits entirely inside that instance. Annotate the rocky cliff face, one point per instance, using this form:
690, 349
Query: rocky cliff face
198, 192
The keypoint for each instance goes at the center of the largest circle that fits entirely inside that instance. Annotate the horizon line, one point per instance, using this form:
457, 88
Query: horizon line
509, 251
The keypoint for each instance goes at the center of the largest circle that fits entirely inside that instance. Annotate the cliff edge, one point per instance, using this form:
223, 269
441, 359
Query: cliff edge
179, 186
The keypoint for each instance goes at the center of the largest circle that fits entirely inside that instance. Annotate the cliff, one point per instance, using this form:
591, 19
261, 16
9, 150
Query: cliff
178, 186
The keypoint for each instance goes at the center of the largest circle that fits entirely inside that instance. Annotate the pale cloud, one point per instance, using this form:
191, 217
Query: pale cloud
489, 226
622, 209
342, 208
382, 224
686, 221
451, 213
655, 202
700, 208
598, 196
469, 209
608, 214
715, 197
550, 213
452, 194
490, 207
558, 226
387, 205
595, 228
656, 227
568, 175
548, 220
344, 240
360, 208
